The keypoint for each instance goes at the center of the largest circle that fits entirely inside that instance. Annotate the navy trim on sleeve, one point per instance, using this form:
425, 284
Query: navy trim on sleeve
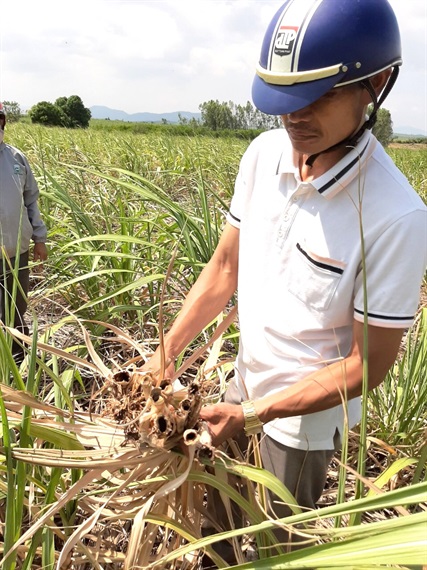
234, 217
385, 317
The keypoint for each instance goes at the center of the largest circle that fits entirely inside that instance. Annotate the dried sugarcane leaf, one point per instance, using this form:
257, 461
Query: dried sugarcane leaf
53, 350
54, 508
122, 336
23, 398
138, 555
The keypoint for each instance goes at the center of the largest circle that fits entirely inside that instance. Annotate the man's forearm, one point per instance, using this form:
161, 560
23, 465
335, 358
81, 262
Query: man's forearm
207, 298
321, 390
339, 381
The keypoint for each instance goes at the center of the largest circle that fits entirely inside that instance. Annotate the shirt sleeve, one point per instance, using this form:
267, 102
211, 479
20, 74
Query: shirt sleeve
244, 182
31, 196
395, 266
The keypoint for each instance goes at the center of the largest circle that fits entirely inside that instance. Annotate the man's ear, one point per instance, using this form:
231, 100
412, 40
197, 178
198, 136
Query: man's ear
379, 81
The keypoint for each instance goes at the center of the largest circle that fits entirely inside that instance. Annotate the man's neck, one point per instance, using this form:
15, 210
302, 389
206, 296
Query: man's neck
323, 163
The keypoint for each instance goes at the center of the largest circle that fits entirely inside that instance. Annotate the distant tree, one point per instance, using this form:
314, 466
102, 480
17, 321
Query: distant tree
193, 122
48, 114
383, 128
65, 112
13, 111
61, 103
216, 115
258, 120
77, 114
250, 113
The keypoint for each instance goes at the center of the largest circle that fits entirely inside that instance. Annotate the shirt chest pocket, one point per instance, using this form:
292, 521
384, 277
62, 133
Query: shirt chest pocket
313, 279
17, 176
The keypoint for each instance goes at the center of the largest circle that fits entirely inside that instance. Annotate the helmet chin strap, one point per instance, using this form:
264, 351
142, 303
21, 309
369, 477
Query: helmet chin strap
352, 140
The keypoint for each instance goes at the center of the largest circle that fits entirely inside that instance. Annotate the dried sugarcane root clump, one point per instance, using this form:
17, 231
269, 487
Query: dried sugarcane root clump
153, 414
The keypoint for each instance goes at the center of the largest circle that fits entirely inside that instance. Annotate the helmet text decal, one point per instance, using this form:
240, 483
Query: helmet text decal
285, 40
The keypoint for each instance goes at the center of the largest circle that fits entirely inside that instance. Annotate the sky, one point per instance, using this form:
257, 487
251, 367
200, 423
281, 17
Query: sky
164, 56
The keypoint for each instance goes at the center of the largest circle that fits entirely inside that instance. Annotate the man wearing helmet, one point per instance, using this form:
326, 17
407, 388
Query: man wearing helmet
19, 223
324, 234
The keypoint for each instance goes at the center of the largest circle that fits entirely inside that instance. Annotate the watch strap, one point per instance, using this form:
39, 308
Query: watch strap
253, 424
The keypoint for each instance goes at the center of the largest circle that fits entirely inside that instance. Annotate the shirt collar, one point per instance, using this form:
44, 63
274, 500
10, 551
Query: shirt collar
337, 177
347, 169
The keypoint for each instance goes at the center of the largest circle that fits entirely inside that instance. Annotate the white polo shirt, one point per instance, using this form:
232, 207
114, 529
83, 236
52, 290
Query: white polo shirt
300, 268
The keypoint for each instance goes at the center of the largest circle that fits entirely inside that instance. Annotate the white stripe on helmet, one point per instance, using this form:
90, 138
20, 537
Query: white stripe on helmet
287, 39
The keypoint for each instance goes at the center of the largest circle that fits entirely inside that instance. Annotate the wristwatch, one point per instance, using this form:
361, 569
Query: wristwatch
253, 424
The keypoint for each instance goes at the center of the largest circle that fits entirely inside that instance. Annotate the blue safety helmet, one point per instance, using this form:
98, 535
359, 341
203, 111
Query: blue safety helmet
312, 46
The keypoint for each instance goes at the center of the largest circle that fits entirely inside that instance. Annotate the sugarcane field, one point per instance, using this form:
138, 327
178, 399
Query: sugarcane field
108, 465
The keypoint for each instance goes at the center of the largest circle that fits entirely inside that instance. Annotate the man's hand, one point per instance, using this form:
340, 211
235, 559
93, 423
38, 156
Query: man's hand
224, 421
153, 365
40, 253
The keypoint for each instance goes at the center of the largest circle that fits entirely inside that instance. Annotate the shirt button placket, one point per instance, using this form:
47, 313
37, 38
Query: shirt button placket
287, 219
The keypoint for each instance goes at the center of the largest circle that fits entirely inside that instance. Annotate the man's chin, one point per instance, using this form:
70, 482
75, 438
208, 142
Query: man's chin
303, 142
305, 147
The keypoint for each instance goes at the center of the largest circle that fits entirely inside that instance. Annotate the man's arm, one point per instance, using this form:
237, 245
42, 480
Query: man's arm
321, 390
31, 196
39, 255
205, 300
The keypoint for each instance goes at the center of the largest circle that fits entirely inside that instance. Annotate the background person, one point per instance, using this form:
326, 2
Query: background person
20, 222
292, 243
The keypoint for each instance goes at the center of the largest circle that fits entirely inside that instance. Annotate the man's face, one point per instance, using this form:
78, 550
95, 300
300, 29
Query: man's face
2, 122
327, 121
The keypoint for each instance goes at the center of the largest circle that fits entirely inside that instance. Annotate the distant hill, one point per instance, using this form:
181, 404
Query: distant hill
409, 131
100, 112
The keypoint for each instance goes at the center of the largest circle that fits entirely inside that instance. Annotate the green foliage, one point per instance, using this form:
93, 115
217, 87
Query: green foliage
413, 163
48, 114
65, 112
113, 227
13, 111
216, 115
77, 114
219, 116
410, 139
184, 129
192, 122
383, 128
398, 406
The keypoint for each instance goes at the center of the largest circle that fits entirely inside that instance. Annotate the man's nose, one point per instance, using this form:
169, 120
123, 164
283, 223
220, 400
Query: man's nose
303, 114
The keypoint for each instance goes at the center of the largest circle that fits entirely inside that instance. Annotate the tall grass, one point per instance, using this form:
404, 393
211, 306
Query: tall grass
398, 405
117, 205
413, 163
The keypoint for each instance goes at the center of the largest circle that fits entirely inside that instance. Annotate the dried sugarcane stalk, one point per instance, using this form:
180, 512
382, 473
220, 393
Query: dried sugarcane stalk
152, 414
145, 403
